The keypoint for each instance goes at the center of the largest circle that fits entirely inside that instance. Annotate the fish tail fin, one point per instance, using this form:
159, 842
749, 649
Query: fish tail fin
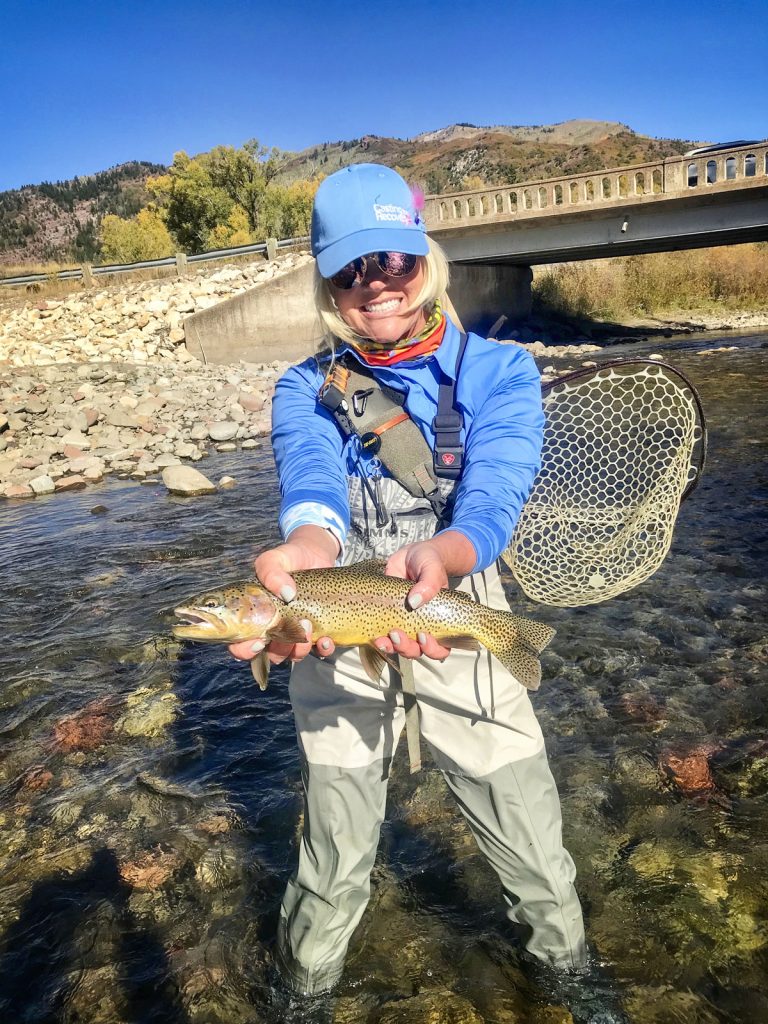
523, 665
516, 642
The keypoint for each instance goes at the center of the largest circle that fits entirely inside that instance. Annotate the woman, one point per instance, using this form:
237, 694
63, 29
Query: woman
379, 281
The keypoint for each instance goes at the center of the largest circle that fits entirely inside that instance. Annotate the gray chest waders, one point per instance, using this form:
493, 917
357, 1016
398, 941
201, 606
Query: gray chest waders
376, 415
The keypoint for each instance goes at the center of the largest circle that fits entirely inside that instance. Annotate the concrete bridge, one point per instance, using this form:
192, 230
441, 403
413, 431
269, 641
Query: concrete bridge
494, 236
716, 198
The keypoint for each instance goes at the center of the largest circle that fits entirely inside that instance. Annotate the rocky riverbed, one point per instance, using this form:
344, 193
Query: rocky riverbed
102, 382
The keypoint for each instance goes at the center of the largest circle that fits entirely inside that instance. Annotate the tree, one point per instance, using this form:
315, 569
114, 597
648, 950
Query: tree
286, 210
191, 205
143, 237
472, 183
234, 232
199, 194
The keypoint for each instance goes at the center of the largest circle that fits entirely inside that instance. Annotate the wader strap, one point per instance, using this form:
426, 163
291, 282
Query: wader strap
448, 456
412, 733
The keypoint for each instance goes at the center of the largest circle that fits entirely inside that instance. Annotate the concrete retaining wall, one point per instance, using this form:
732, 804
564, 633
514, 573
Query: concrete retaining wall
274, 320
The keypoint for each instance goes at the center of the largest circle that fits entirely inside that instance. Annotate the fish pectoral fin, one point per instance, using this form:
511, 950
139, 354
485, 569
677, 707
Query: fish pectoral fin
374, 660
260, 669
289, 631
461, 643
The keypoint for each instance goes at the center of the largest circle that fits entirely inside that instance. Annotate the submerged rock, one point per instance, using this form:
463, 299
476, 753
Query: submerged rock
151, 869
187, 481
438, 1007
88, 728
689, 770
149, 713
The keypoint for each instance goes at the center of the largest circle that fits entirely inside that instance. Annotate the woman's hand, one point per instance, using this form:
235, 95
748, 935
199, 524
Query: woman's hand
308, 547
429, 564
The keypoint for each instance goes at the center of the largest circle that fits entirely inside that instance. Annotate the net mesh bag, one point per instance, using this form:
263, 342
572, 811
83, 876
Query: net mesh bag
622, 446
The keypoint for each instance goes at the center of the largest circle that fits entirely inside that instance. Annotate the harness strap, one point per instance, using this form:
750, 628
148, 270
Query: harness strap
448, 455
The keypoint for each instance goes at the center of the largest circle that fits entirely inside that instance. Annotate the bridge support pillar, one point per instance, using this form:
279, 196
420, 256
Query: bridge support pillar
482, 292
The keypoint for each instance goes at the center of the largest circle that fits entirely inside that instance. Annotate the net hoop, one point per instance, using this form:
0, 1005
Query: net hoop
624, 444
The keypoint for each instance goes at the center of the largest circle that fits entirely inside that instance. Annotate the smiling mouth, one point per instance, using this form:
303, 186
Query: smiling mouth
389, 306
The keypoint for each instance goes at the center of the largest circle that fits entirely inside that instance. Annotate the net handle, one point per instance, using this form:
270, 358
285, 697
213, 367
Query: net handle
591, 371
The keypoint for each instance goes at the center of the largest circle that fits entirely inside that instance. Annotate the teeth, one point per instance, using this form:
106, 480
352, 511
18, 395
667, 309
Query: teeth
382, 307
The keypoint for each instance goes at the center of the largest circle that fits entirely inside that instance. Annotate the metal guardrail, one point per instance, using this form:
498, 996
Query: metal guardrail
78, 273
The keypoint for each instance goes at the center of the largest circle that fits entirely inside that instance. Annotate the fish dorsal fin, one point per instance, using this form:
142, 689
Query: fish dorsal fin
288, 630
260, 669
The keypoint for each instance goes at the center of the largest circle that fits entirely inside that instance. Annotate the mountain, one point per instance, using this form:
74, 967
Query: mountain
60, 220
443, 160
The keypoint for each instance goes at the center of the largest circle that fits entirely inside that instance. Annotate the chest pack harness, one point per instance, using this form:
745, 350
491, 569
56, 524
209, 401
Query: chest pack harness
376, 415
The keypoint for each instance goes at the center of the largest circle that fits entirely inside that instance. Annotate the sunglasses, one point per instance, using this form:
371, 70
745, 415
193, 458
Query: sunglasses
393, 264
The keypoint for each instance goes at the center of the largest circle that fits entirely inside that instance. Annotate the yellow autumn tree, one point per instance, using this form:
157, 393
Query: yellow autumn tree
235, 231
286, 210
143, 237
472, 183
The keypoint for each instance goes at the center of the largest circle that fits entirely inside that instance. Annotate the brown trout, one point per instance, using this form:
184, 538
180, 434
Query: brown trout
353, 606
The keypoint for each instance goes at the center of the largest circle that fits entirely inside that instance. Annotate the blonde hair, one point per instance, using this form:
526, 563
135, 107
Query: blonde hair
434, 286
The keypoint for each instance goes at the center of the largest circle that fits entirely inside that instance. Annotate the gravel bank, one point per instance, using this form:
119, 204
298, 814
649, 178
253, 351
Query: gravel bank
101, 383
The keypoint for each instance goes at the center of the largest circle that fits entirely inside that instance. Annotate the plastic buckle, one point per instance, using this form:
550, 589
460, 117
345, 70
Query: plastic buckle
448, 461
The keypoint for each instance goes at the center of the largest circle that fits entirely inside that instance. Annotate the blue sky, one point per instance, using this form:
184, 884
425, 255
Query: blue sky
86, 85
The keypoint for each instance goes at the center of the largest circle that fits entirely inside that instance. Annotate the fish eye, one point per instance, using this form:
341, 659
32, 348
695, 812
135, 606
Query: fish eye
212, 601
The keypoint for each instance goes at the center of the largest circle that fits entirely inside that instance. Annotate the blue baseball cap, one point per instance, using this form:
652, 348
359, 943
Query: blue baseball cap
360, 209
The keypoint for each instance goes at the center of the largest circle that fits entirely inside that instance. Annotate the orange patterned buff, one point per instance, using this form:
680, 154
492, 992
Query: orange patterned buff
419, 347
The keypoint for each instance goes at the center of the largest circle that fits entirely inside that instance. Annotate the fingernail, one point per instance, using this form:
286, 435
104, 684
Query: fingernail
258, 646
287, 593
325, 645
306, 625
422, 638
415, 601
395, 637
382, 648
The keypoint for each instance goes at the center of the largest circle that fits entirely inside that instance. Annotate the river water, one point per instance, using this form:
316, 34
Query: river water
150, 793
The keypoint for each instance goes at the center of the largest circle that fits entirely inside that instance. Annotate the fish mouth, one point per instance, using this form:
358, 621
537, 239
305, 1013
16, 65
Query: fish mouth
196, 624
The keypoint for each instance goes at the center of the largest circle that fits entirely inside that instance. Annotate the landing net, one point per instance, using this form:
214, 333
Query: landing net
623, 445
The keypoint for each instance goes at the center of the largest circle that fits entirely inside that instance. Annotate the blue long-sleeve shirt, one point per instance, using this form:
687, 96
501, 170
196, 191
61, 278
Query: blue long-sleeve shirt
499, 394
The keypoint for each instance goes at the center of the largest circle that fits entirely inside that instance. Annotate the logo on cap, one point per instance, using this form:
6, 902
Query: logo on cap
392, 212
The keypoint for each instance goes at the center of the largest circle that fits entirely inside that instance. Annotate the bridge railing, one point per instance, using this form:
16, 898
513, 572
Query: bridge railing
672, 175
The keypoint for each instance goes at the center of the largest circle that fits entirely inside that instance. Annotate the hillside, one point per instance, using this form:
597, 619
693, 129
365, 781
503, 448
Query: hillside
60, 221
